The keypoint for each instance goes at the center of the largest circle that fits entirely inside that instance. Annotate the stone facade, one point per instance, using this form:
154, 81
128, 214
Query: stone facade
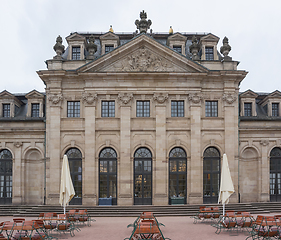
142, 68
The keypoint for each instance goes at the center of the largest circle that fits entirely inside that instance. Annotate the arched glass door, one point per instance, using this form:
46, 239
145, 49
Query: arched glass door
143, 177
75, 165
211, 175
177, 174
6, 177
275, 175
108, 174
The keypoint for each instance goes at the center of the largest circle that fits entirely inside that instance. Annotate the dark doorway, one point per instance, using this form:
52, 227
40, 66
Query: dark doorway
143, 177
275, 175
108, 174
211, 175
6, 177
75, 165
177, 174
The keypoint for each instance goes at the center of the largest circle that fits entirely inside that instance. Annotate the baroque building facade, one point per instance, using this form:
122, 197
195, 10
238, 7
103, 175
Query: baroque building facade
144, 118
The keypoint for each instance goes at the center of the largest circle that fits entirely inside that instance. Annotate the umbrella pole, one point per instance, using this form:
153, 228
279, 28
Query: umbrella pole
223, 209
63, 209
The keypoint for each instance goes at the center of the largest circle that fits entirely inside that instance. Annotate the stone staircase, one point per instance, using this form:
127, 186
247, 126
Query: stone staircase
133, 211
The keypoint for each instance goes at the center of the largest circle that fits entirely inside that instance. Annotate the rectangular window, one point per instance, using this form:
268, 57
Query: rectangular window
143, 108
275, 109
35, 109
211, 108
6, 110
73, 109
108, 109
76, 53
248, 109
177, 109
209, 53
177, 49
108, 48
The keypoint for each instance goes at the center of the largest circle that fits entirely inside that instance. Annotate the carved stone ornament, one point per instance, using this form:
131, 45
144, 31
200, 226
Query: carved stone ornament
59, 48
160, 97
91, 47
55, 98
229, 98
89, 97
195, 98
143, 24
125, 98
144, 60
194, 49
264, 142
225, 49
18, 144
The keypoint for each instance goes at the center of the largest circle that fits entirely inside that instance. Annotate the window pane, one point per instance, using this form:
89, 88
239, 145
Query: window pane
143, 109
75, 53
209, 52
6, 110
108, 109
275, 109
248, 109
177, 108
73, 109
211, 108
35, 109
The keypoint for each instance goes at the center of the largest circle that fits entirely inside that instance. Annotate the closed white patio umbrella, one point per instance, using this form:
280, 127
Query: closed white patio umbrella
226, 184
67, 191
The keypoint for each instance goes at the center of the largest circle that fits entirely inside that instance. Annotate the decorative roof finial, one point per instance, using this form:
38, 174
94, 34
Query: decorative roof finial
59, 48
194, 49
91, 47
143, 24
111, 29
171, 31
225, 49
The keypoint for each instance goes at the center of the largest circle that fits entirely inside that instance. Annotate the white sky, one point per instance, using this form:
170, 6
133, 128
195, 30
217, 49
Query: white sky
29, 29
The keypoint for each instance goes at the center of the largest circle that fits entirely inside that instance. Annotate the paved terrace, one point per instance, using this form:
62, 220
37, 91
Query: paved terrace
176, 228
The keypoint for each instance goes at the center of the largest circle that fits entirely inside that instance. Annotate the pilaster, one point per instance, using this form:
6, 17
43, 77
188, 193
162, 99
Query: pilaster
18, 170
125, 177
196, 162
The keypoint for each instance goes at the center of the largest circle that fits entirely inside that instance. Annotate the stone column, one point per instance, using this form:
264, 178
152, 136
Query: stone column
196, 161
125, 177
159, 174
90, 168
54, 148
231, 138
18, 175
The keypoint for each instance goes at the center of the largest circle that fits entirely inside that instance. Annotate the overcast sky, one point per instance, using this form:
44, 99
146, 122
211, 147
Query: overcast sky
29, 29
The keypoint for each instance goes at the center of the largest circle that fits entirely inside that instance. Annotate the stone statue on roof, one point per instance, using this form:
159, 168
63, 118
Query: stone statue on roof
143, 24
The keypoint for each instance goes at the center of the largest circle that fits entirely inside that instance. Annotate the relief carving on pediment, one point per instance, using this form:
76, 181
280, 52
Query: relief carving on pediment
143, 60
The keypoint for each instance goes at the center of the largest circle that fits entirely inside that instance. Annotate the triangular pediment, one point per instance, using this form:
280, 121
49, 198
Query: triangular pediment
109, 36
75, 37
275, 94
177, 37
6, 95
142, 54
34, 94
210, 38
248, 94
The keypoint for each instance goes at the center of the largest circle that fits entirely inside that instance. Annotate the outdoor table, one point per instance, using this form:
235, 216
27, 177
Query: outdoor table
146, 231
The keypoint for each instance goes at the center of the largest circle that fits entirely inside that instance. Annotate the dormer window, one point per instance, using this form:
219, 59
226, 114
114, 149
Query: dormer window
6, 110
209, 53
35, 109
109, 48
76, 53
248, 109
177, 49
275, 109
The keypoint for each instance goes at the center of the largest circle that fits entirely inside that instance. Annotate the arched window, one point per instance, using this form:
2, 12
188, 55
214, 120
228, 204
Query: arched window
6, 177
177, 175
211, 175
275, 175
108, 175
75, 165
142, 177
